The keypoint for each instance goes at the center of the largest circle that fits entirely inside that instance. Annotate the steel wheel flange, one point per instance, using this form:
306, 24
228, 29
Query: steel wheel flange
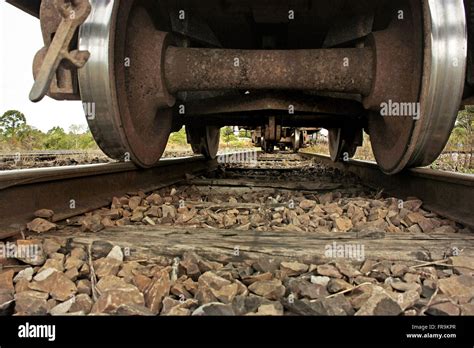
342, 144
296, 140
204, 140
126, 108
416, 140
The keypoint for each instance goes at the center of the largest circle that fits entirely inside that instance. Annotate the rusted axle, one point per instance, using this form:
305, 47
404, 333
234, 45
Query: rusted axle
348, 70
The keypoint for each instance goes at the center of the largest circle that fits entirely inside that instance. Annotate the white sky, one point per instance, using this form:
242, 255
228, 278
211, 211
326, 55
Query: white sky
20, 39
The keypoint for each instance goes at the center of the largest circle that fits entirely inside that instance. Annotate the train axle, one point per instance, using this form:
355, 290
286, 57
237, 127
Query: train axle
339, 70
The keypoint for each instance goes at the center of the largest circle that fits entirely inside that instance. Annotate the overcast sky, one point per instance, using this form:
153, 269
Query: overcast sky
20, 39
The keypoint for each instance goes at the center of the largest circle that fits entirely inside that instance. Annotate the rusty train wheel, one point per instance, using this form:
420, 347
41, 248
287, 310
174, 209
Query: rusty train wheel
127, 115
296, 140
342, 144
204, 140
424, 57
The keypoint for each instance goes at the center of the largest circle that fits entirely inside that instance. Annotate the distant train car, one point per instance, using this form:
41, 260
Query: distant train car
289, 138
397, 69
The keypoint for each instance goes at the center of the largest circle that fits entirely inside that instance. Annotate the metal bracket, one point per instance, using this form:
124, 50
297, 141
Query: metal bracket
73, 14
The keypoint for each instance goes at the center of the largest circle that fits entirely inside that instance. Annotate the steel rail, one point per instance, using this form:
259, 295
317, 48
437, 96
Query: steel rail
71, 191
42, 155
450, 195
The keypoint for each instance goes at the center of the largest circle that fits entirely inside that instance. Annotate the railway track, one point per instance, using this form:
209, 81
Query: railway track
44, 159
38, 155
70, 191
268, 233
88, 187
446, 193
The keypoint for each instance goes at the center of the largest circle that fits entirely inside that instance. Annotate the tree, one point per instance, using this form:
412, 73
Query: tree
228, 134
244, 133
86, 141
57, 139
31, 138
12, 123
77, 129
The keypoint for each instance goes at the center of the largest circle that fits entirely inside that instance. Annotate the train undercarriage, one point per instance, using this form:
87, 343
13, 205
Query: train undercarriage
397, 70
283, 138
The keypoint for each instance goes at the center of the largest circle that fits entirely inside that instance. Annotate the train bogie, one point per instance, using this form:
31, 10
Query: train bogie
397, 70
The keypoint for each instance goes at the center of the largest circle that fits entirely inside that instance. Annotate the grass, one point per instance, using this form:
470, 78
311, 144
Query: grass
445, 162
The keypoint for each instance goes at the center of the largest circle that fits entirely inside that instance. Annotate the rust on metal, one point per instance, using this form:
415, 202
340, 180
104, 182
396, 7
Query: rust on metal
145, 119
73, 14
275, 102
200, 69
399, 71
204, 140
64, 85
343, 142
91, 187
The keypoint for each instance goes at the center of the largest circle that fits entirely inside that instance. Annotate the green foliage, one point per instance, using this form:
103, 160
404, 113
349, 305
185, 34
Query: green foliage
227, 135
11, 123
86, 141
462, 135
56, 139
13, 128
230, 141
16, 134
460, 142
76, 139
243, 133
178, 138
32, 138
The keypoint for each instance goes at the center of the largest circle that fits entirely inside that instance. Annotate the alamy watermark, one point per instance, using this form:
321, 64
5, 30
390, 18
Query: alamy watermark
392, 108
13, 251
345, 251
37, 331
238, 157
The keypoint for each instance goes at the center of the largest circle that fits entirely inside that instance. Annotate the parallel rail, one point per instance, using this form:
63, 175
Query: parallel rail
41, 155
448, 194
71, 191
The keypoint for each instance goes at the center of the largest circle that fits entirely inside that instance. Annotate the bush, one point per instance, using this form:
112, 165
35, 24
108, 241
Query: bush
178, 138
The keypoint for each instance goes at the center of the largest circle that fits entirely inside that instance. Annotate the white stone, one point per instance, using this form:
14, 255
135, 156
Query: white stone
27, 274
116, 253
44, 274
63, 308
320, 280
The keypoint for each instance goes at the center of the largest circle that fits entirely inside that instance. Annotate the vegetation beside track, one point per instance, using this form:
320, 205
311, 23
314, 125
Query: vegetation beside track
17, 135
456, 157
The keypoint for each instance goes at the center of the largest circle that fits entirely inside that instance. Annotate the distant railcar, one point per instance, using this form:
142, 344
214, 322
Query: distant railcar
288, 138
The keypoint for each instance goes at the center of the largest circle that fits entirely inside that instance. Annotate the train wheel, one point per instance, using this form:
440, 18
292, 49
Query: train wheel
126, 108
342, 144
426, 54
267, 146
204, 140
296, 140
